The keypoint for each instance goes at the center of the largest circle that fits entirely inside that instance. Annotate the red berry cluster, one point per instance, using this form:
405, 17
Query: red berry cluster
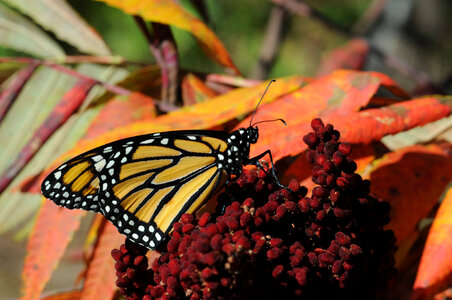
274, 243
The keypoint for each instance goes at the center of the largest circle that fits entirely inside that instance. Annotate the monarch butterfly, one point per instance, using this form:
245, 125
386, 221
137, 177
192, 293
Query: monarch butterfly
144, 184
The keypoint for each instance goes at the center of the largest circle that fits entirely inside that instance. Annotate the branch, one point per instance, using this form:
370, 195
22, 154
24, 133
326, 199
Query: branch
272, 41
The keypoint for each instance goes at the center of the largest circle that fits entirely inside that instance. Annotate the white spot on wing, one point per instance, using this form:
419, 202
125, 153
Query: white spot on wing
98, 158
110, 164
99, 165
190, 137
128, 149
57, 175
147, 141
108, 149
164, 141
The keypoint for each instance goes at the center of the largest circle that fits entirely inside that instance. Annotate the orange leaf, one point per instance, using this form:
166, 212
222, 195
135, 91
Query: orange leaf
71, 295
172, 13
350, 56
435, 268
120, 111
337, 94
100, 277
373, 124
411, 180
194, 90
51, 234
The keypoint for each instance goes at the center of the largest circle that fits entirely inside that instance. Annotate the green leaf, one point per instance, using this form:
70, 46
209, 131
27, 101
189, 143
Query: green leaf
61, 19
17, 33
35, 102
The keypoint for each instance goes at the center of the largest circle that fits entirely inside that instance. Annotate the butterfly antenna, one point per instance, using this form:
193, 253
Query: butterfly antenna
271, 81
284, 122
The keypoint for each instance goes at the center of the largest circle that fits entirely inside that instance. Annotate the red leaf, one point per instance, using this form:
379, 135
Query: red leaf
100, 277
70, 102
373, 124
434, 271
411, 180
351, 56
12, 91
51, 234
338, 94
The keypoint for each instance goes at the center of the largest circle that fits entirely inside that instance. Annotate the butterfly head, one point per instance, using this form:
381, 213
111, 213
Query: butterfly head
252, 134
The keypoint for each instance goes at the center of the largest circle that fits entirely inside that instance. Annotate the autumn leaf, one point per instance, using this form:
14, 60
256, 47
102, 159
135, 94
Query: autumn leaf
51, 234
100, 276
69, 295
411, 180
350, 56
172, 13
195, 90
338, 94
373, 124
436, 263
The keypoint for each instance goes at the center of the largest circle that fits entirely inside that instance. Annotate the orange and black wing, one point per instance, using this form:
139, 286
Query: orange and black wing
75, 184
144, 184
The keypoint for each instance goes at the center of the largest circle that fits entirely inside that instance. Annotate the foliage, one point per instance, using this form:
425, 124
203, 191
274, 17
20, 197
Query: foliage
65, 92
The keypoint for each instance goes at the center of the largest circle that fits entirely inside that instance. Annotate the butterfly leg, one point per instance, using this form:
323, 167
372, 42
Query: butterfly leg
255, 161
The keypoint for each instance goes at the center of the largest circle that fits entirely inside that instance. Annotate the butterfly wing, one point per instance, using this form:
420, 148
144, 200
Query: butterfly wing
75, 184
144, 184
